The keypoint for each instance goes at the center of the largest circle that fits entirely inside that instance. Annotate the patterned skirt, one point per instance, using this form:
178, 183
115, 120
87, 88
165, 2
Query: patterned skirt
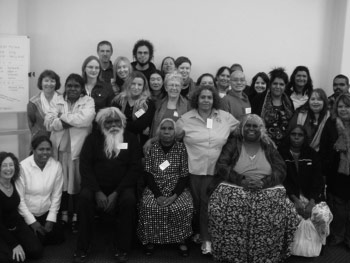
165, 225
251, 226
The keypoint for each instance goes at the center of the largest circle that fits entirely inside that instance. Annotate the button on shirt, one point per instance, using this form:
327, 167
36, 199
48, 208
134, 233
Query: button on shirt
204, 144
40, 190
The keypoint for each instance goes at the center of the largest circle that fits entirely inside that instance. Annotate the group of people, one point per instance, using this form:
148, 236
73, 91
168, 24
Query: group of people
231, 166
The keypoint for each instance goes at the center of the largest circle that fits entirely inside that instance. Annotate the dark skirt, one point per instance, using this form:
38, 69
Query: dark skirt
251, 226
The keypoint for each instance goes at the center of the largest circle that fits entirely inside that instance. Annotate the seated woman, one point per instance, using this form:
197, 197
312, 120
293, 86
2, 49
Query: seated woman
137, 106
17, 241
40, 189
166, 207
304, 172
250, 218
313, 116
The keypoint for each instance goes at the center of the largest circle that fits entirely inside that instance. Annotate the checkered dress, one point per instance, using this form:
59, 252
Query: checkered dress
171, 224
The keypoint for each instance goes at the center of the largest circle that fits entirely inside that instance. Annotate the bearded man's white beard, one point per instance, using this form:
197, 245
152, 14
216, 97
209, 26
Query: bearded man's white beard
113, 138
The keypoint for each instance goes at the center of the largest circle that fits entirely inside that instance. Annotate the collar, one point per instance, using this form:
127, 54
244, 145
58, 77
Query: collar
194, 114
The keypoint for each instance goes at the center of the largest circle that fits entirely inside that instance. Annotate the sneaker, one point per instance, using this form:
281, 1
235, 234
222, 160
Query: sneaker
206, 248
120, 257
80, 256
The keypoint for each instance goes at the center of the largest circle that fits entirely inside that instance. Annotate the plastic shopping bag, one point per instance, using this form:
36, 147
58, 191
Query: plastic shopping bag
307, 242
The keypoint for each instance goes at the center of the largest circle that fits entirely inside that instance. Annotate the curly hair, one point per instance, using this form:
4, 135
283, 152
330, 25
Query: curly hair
143, 42
195, 96
3, 156
278, 73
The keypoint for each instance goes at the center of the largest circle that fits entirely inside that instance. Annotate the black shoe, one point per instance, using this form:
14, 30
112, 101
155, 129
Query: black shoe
149, 249
120, 257
80, 256
183, 250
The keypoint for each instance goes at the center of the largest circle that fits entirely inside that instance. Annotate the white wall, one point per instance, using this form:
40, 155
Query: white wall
258, 34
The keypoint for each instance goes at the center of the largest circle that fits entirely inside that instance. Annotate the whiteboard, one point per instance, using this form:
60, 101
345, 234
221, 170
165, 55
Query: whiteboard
14, 68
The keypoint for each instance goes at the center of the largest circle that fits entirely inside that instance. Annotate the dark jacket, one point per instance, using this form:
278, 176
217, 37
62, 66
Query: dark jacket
307, 180
98, 173
337, 184
103, 95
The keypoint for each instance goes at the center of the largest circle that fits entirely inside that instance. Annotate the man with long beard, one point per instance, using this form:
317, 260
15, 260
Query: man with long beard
110, 163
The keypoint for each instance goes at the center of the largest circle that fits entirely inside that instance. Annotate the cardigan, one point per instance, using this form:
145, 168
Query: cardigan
230, 155
337, 184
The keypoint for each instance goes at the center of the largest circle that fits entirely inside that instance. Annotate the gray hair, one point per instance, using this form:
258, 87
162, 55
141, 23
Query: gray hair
259, 121
161, 123
173, 76
111, 112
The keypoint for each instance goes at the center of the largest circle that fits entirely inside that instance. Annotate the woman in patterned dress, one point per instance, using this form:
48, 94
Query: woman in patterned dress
166, 207
250, 217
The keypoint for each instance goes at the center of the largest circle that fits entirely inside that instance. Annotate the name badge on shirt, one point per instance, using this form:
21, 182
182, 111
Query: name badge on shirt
248, 110
164, 165
176, 114
209, 123
139, 113
123, 146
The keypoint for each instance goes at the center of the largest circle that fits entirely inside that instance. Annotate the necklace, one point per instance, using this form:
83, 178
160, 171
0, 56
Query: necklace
252, 157
7, 188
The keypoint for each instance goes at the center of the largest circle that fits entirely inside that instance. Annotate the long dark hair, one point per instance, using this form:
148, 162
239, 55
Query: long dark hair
308, 86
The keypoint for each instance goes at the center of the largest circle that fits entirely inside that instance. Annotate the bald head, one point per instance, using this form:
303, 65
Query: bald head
238, 81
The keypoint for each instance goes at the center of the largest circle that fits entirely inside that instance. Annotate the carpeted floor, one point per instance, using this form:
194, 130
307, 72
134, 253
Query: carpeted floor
102, 252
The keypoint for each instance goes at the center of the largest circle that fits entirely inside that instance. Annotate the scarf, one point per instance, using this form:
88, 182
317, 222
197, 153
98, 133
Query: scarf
315, 143
343, 146
45, 104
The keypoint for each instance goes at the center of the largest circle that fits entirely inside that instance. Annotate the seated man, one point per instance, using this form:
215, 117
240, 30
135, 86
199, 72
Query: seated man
110, 163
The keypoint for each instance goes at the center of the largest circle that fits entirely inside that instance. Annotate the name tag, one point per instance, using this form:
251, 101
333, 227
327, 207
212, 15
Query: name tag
209, 123
176, 114
164, 165
248, 110
139, 113
123, 146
